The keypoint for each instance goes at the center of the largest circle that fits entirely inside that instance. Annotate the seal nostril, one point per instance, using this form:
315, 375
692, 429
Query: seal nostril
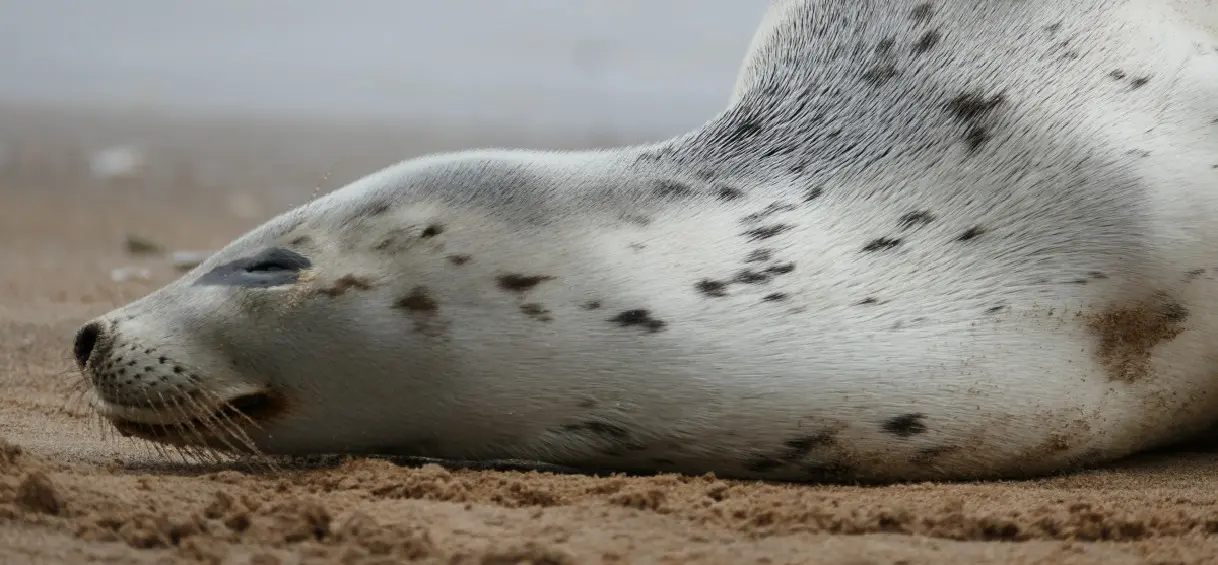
86, 340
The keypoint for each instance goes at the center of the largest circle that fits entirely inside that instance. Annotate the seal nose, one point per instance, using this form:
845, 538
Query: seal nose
86, 341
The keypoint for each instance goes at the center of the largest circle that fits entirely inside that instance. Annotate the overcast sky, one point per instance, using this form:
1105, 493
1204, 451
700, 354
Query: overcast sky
654, 65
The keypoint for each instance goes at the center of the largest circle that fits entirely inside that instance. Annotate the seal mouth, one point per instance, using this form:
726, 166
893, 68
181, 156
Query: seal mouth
238, 412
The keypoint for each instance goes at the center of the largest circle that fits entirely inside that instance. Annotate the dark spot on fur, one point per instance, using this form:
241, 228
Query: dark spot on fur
673, 189
636, 220
712, 288
1138, 82
775, 297
922, 12
610, 431
976, 137
799, 448
770, 210
1128, 335
521, 283
726, 193
927, 41
813, 193
1117, 74
918, 218
880, 73
592, 305
1053, 28
417, 301
536, 311
972, 105
1079, 281
639, 317
750, 277
458, 259
905, 425
781, 269
302, 240
747, 129
885, 45
869, 300
994, 309
637, 246
971, 233
881, 244
766, 232
345, 283
432, 231
758, 255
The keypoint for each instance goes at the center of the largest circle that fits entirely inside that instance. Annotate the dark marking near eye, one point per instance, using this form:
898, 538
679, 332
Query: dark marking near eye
881, 244
432, 231
417, 301
726, 193
345, 283
459, 259
592, 305
1138, 82
766, 232
922, 12
758, 255
521, 283
711, 288
971, 233
918, 218
536, 311
673, 189
813, 193
880, 73
599, 428
275, 266
927, 41
868, 300
1117, 74
972, 105
639, 317
775, 297
302, 240
906, 425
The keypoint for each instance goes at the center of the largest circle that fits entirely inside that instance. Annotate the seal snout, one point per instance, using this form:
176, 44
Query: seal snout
87, 338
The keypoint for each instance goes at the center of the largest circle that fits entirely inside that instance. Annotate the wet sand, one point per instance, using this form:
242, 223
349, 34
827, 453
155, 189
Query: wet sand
70, 493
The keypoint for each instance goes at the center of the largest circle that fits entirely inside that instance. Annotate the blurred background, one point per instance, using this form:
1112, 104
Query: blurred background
257, 105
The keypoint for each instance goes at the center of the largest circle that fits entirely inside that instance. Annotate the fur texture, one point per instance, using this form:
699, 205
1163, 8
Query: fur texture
942, 240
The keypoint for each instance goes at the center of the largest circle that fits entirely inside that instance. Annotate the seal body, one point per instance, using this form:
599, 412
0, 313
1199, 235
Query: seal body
945, 240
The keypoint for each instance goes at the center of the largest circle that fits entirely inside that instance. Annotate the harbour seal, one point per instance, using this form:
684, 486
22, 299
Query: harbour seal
957, 239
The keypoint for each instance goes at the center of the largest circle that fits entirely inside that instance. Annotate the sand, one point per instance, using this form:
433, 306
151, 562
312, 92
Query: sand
70, 493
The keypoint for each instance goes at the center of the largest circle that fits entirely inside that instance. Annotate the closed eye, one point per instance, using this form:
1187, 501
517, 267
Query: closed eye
276, 260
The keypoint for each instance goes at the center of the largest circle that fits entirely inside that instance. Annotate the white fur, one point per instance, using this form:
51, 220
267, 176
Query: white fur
1076, 173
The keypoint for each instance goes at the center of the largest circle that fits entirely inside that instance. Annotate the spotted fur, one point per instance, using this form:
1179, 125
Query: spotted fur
939, 240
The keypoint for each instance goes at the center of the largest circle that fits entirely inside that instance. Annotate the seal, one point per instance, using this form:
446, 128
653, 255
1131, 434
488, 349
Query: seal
957, 239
